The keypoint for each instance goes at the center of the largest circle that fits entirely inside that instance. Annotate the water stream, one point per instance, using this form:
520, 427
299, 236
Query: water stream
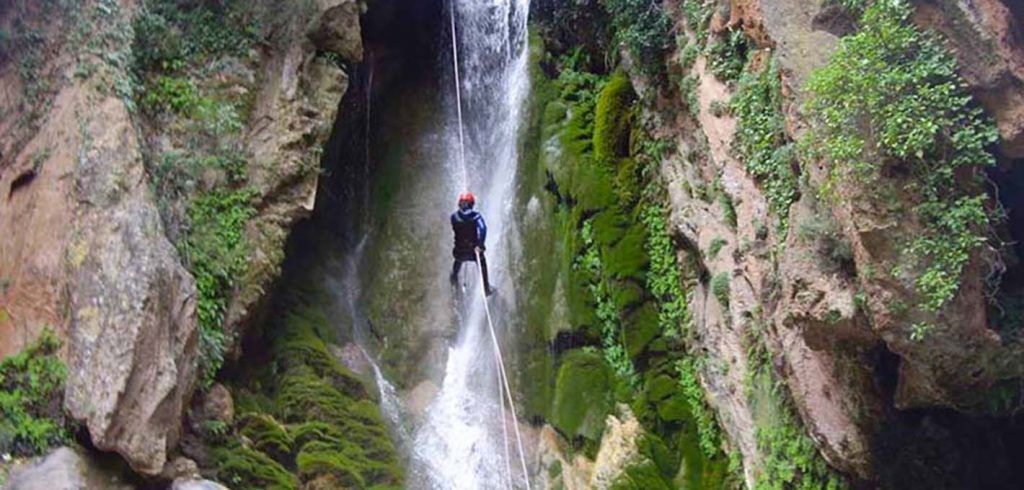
457, 441
460, 444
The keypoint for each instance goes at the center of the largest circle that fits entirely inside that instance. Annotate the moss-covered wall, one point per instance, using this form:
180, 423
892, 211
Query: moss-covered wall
600, 328
303, 419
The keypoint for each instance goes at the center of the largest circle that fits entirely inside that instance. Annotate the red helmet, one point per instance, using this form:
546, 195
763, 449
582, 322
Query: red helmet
466, 199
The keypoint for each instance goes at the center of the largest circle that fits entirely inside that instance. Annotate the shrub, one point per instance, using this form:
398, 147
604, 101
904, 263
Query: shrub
645, 29
715, 247
31, 399
727, 55
698, 17
890, 98
720, 288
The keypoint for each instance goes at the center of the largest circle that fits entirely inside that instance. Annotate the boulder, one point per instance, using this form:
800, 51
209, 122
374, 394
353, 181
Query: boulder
336, 28
67, 469
189, 484
133, 337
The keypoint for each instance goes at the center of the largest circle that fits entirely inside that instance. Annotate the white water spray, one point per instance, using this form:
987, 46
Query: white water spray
460, 444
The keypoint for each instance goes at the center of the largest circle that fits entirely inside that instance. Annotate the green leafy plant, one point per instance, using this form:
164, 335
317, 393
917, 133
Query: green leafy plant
608, 316
698, 17
761, 137
663, 278
707, 427
217, 254
890, 98
727, 55
32, 417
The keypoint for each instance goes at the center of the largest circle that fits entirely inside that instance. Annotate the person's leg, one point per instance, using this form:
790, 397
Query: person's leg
483, 270
454, 277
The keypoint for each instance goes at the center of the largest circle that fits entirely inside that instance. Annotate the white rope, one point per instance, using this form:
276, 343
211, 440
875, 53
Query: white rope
503, 375
504, 431
458, 96
503, 386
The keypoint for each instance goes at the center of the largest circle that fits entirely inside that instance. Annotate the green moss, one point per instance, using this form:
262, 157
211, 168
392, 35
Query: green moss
310, 413
641, 328
248, 469
31, 399
612, 118
267, 435
582, 395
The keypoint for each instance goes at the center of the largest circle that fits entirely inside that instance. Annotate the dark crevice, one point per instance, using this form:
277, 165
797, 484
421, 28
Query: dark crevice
20, 181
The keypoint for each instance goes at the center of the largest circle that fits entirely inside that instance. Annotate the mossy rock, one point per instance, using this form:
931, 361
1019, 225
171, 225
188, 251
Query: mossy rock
244, 468
641, 328
642, 476
583, 395
267, 435
626, 258
612, 118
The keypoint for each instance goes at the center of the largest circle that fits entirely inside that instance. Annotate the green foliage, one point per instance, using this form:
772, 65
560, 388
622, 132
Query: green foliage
707, 427
663, 279
715, 247
720, 288
761, 137
698, 17
728, 208
688, 89
582, 395
890, 98
792, 460
646, 31
727, 55
607, 314
32, 417
216, 253
790, 457
168, 93
171, 35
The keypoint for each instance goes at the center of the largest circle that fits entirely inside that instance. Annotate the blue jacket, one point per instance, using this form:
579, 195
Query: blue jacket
470, 230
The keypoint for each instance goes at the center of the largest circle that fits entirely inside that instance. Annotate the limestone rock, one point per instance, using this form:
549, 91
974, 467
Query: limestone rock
218, 405
196, 484
131, 364
181, 468
336, 28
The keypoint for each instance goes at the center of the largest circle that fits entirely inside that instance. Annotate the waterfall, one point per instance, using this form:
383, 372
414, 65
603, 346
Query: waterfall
460, 443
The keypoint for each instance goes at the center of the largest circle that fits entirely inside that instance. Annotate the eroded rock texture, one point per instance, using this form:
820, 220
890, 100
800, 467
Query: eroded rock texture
85, 249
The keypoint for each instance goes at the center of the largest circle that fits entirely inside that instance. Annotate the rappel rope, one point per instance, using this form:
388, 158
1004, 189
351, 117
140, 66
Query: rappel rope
503, 385
458, 96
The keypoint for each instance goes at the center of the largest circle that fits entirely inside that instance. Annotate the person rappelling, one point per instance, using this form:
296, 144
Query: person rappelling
470, 233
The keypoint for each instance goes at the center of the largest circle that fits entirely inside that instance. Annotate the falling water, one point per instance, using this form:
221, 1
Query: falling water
460, 443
